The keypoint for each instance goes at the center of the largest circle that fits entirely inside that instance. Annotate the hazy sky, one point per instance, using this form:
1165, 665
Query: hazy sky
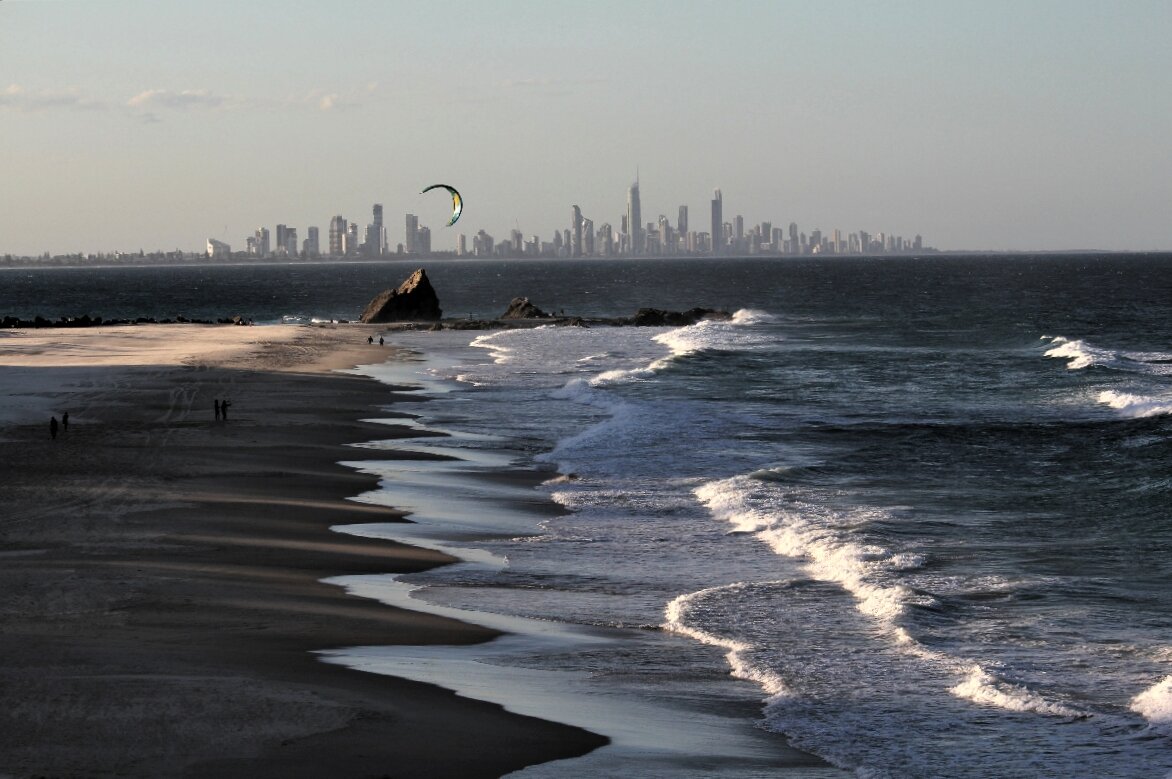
128, 124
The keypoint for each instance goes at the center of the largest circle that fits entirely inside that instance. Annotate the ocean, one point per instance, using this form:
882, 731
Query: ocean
908, 515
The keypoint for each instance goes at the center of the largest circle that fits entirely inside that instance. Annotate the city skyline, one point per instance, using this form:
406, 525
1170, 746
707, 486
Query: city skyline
633, 238
1021, 126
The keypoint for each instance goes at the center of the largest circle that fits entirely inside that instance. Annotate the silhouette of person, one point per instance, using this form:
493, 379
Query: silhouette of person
65, 422
216, 403
53, 427
380, 340
224, 409
370, 339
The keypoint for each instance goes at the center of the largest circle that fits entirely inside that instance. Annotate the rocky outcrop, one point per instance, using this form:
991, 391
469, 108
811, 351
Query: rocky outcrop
521, 308
414, 300
655, 317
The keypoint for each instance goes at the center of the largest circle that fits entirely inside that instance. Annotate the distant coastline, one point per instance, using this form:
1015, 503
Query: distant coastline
9, 262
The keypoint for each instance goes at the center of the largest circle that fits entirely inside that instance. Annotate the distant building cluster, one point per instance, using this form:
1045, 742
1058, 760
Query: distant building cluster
632, 238
345, 241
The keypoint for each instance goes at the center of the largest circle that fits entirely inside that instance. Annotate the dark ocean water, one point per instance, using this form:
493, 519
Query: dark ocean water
920, 507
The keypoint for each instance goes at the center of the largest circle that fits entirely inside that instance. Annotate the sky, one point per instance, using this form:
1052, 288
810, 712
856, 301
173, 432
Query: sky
985, 125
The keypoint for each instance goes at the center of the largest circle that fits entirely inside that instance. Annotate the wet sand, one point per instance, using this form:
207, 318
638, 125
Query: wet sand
161, 569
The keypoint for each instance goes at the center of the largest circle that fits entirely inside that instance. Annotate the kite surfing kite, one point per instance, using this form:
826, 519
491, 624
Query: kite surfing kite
457, 202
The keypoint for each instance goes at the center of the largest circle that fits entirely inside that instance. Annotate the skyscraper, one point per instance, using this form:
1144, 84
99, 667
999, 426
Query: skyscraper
376, 234
587, 230
410, 234
717, 222
635, 218
576, 235
350, 245
262, 242
337, 236
682, 222
282, 236
312, 244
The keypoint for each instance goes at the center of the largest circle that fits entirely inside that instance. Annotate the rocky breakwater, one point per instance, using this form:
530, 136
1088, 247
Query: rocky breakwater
412, 301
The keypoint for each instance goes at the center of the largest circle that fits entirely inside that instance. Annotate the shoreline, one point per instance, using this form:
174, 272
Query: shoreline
165, 575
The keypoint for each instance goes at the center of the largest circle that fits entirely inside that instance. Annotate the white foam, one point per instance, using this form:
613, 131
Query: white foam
1136, 406
822, 537
1082, 354
676, 620
826, 539
1155, 703
1079, 354
982, 687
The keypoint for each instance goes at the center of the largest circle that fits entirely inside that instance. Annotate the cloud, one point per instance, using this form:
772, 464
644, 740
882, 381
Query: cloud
19, 98
188, 98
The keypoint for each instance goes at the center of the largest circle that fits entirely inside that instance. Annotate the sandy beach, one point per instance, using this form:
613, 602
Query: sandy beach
162, 568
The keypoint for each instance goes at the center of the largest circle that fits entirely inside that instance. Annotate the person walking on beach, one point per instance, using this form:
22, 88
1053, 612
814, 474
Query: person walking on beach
65, 422
224, 409
216, 403
53, 428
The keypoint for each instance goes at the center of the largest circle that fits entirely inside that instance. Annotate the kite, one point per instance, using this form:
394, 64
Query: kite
457, 201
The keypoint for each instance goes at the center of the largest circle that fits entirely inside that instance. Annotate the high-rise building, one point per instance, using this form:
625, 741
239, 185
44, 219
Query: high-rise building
795, 245
682, 222
587, 237
635, 218
717, 222
376, 234
312, 243
423, 241
282, 247
337, 236
461, 245
290, 247
411, 234
739, 230
262, 242
576, 235
218, 250
350, 247
605, 240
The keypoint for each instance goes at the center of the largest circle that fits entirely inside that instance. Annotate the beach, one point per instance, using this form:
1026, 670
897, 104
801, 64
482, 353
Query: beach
162, 567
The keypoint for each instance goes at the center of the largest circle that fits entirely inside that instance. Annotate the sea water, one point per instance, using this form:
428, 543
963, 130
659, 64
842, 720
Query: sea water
909, 515
923, 511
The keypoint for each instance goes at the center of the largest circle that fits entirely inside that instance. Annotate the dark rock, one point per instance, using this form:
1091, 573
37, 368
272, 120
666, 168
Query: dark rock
413, 300
655, 317
521, 308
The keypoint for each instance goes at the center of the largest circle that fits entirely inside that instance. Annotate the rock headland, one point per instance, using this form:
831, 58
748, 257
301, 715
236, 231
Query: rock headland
414, 300
521, 308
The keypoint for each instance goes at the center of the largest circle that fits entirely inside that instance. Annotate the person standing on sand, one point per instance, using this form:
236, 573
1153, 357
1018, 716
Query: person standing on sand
370, 339
53, 428
216, 403
224, 409
380, 340
65, 422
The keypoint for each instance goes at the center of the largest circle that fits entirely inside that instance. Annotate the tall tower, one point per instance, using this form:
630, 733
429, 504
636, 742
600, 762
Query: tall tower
379, 232
411, 234
576, 235
682, 222
337, 236
717, 222
635, 218
262, 241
